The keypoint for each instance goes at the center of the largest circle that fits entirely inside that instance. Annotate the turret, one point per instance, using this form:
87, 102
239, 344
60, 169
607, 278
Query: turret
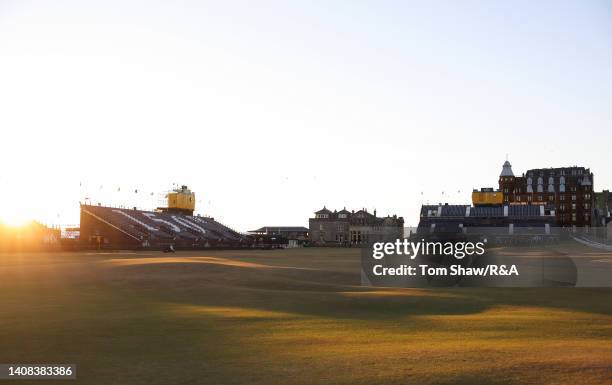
507, 169
506, 180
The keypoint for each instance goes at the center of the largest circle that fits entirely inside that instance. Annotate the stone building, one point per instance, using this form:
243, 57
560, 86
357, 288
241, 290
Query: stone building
343, 228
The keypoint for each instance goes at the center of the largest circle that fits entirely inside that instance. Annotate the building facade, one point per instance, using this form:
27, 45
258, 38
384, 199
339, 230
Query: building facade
568, 189
603, 207
344, 228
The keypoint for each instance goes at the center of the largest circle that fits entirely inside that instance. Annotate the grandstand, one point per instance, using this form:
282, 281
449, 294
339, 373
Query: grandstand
171, 226
110, 227
501, 223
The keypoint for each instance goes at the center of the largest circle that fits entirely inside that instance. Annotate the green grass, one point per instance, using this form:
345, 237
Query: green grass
288, 317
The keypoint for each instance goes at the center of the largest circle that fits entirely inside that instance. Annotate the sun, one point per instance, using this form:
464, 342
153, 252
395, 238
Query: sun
14, 217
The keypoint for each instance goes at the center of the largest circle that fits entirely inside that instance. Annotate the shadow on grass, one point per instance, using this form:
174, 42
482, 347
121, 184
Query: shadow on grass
332, 294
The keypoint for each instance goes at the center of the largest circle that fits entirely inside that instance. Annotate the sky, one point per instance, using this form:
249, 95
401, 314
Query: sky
270, 110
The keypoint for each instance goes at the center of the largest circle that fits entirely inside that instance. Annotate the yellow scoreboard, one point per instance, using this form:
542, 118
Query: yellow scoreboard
480, 198
182, 199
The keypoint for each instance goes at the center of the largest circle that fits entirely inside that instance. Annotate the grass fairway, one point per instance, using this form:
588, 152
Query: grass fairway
288, 317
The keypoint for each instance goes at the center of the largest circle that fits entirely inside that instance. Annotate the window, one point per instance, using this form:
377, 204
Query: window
574, 217
340, 227
342, 216
573, 197
321, 226
573, 207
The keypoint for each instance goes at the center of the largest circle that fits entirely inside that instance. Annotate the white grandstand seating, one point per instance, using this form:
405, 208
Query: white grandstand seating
160, 227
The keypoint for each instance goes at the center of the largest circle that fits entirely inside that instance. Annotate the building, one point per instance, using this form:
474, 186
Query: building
343, 228
603, 208
285, 236
568, 189
603, 215
289, 232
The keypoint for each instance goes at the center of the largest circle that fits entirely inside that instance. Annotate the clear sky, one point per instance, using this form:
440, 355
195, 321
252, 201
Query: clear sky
270, 110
